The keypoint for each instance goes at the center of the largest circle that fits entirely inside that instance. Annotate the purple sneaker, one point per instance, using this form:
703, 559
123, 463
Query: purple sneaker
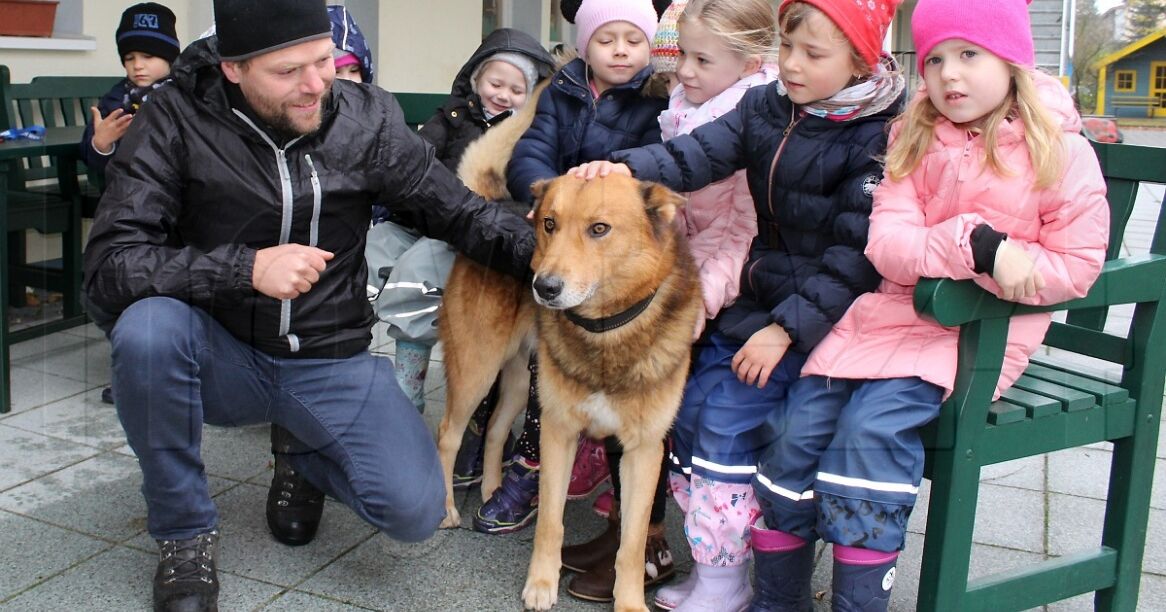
514, 505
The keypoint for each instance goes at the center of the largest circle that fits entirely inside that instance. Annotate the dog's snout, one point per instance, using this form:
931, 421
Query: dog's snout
548, 287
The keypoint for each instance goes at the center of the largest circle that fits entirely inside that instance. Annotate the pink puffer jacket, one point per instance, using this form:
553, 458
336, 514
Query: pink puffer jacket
921, 226
719, 220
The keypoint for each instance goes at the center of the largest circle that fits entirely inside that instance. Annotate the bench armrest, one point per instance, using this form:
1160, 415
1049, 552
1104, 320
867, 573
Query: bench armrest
1122, 281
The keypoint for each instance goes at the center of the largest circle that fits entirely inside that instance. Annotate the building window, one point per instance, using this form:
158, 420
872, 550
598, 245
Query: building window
491, 16
1123, 80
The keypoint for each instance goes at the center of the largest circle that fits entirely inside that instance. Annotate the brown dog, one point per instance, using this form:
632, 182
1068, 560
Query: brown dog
620, 298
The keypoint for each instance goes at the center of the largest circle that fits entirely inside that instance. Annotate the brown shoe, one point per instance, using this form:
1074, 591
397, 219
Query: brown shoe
583, 557
598, 584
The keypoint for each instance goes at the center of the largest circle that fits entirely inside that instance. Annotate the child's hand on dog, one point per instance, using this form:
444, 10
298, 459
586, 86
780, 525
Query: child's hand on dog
755, 361
599, 169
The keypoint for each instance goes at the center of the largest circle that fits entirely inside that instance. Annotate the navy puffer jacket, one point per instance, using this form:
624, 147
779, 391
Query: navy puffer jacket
571, 127
806, 265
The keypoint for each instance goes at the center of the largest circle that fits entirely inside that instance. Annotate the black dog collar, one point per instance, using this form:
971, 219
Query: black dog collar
615, 321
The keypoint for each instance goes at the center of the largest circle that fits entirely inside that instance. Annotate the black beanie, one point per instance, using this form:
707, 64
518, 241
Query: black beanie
247, 28
148, 28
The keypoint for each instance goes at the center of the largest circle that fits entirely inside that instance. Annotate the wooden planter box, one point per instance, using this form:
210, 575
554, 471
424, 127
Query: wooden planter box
27, 17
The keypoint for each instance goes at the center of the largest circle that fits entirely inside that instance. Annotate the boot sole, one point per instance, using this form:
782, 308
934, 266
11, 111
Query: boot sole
504, 529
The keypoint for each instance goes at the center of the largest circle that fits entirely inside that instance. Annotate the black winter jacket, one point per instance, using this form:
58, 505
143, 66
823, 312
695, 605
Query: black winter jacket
571, 127
197, 188
111, 101
806, 265
460, 120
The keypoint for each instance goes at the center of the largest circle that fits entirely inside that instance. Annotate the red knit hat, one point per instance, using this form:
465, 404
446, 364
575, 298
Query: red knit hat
863, 22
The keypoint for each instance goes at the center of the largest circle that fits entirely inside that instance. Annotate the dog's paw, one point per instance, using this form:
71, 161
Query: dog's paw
453, 520
540, 594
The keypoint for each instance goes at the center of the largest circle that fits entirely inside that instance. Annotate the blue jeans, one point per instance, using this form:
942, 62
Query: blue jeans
846, 460
175, 368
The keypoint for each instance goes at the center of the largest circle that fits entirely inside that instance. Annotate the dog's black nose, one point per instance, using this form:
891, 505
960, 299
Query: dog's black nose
548, 287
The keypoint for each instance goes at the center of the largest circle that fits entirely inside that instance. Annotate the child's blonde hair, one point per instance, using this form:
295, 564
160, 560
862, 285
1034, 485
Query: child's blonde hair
1042, 134
799, 12
746, 27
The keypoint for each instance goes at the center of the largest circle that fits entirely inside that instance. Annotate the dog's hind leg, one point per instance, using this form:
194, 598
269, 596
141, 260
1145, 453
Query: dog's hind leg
512, 397
558, 440
638, 474
463, 393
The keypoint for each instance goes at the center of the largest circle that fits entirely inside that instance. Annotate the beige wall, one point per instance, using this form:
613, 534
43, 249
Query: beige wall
423, 44
419, 51
100, 21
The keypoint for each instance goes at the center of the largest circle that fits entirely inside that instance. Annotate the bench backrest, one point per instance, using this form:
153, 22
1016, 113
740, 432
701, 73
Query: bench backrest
419, 107
48, 101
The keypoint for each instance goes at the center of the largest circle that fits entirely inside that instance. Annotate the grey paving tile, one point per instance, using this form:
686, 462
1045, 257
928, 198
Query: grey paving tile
32, 388
1011, 518
295, 601
82, 359
238, 453
100, 496
37, 348
249, 550
120, 580
1026, 473
54, 550
85, 331
30, 455
83, 419
1080, 471
1075, 524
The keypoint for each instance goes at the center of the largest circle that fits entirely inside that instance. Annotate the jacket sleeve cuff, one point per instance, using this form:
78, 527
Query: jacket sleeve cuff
984, 242
112, 149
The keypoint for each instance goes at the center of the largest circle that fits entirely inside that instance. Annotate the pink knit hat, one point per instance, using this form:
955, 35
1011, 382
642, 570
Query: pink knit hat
593, 14
665, 46
863, 22
1000, 26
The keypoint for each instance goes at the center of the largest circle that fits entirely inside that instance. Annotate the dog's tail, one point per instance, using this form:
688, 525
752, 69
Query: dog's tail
483, 165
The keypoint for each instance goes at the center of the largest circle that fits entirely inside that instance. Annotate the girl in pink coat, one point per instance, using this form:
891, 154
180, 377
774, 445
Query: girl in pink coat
986, 179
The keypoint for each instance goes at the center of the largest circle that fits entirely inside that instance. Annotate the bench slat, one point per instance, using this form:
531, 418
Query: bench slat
1071, 399
1106, 394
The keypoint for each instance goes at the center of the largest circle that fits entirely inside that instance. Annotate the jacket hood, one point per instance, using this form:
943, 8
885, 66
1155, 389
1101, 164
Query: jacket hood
348, 37
503, 39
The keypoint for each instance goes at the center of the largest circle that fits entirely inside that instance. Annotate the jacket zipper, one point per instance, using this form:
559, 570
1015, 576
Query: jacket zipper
287, 208
793, 121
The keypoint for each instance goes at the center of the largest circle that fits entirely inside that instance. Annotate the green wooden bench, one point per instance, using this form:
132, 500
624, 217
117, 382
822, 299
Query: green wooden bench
419, 107
1053, 406
36, 201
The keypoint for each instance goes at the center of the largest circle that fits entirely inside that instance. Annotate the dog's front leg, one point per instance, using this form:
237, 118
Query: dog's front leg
557, 443
638, 473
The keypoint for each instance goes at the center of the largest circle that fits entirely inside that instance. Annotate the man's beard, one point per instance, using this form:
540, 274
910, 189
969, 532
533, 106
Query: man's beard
279, 118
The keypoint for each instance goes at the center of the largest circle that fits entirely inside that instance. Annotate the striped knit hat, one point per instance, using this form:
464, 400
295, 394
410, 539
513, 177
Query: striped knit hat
665, 47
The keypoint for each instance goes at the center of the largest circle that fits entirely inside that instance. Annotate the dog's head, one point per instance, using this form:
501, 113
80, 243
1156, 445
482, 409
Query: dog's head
601, 243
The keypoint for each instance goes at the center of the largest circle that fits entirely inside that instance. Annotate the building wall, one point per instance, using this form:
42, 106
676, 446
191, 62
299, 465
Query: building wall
415, 52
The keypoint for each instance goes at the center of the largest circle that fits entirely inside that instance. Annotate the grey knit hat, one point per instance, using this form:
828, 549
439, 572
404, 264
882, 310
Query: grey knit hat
524, 64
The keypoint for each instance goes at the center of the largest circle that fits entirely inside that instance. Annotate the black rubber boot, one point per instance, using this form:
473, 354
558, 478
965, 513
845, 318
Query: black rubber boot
294, 506
781, 577
862, 588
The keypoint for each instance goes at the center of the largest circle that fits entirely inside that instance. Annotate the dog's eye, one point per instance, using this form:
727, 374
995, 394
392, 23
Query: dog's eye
548, 224
599, 229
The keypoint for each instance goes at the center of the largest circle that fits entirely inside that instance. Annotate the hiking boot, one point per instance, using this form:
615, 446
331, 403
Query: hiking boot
590, 469
294, 506
186, 580
513, 506
598, 583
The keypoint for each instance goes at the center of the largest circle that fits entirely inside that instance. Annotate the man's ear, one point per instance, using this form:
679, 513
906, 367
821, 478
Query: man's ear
232, 71
660, 202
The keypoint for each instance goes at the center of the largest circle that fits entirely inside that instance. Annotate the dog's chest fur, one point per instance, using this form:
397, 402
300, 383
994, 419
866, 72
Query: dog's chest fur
599, 411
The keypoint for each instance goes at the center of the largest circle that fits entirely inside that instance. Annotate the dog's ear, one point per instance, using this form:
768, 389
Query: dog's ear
660, 202
538, 188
